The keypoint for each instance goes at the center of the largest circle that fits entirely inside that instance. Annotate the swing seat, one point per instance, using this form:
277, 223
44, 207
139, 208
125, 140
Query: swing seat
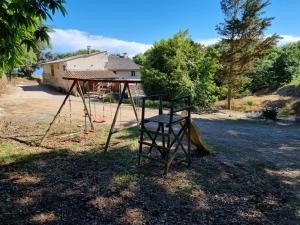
98, 120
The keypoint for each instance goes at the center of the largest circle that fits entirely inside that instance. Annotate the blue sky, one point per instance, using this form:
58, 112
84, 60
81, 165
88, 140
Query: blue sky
133, 25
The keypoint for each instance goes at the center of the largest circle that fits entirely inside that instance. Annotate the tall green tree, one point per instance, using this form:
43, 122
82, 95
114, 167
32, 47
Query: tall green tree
243, 36
139, 59
177, 66
278, 68
21, 25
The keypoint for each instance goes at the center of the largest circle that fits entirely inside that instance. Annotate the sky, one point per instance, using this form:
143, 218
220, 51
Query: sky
132, 26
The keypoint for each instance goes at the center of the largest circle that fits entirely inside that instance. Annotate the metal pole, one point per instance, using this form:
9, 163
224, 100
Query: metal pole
58, 112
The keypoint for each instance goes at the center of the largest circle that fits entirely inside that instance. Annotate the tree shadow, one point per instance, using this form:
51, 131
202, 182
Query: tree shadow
65, 187
42, 88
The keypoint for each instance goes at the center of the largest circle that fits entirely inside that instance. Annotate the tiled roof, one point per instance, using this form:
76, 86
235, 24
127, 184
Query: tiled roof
72, 57
121, 63
90, 74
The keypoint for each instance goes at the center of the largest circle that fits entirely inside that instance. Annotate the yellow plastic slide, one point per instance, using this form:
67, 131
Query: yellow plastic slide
196, 138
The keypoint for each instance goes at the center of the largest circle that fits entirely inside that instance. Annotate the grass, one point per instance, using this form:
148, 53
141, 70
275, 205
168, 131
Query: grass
74, 181
249, 103
9, 152
295, 81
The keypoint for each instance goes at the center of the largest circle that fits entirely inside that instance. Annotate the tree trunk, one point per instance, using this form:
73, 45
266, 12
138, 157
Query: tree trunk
229, 96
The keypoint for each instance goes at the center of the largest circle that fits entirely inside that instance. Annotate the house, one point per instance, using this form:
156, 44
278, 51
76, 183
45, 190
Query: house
94, 65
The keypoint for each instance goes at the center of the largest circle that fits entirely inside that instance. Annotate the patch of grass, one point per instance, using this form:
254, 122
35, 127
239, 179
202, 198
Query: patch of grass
215, 148
126, 179
295, 81
249, 102
74, 147
9, 152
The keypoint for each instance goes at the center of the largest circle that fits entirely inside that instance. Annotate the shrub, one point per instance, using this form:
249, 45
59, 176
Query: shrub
249, 103
270, 113
178, 66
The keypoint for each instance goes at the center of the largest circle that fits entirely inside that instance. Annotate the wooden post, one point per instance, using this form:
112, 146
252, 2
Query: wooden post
84, 104
142, 127
58, 112
115, 119
133, 104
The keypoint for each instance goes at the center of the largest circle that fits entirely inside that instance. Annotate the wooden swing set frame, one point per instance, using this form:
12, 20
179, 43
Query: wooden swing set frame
76, 82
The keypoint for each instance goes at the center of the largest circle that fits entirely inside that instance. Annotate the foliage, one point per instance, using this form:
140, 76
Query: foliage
177, 66
20, 23
280, 67
270, 113
139, 59
31, 59
262, 74
243, 40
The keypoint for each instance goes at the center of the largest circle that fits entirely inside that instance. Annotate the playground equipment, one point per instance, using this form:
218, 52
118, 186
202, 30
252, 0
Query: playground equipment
76, 82
196, 139
167, 143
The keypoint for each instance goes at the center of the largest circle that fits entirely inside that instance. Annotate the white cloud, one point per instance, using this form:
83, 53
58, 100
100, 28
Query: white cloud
286, 39
72, 40
207, 42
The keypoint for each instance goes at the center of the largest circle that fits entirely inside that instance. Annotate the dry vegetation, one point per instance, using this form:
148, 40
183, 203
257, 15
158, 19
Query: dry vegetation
287, 105
70, 180
7, 87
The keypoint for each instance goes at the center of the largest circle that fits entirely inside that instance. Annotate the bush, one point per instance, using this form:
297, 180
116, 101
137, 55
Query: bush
177, 67
270, 113
249, 103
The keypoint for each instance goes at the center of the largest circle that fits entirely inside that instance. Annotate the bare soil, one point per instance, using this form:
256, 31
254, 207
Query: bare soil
251, 178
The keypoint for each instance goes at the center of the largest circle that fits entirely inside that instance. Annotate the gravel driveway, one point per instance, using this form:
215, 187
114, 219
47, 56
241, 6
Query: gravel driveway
242, 141
247, 140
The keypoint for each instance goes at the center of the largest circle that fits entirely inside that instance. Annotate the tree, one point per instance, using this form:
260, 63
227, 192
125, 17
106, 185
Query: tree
244, 40
279, 67
262, 74
139, 59
31, 59
291, 58
20, 25
178, 66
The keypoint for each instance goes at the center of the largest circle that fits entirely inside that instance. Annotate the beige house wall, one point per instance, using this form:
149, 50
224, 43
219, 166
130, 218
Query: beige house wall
127, 75
55, 79
94, 62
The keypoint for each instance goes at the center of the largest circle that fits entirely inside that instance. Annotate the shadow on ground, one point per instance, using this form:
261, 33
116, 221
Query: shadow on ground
63, 187
42, 88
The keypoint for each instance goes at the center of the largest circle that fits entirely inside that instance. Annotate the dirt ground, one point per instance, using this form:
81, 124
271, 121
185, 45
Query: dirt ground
252, 177
42, 102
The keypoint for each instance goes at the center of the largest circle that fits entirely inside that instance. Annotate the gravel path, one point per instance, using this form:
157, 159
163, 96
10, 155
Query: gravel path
247, 140
241, 141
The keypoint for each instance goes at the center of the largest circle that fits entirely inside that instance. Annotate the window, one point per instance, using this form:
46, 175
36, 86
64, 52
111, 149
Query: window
52, 70
133, 73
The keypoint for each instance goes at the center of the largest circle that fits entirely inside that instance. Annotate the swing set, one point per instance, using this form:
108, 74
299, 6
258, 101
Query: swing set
104, 90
